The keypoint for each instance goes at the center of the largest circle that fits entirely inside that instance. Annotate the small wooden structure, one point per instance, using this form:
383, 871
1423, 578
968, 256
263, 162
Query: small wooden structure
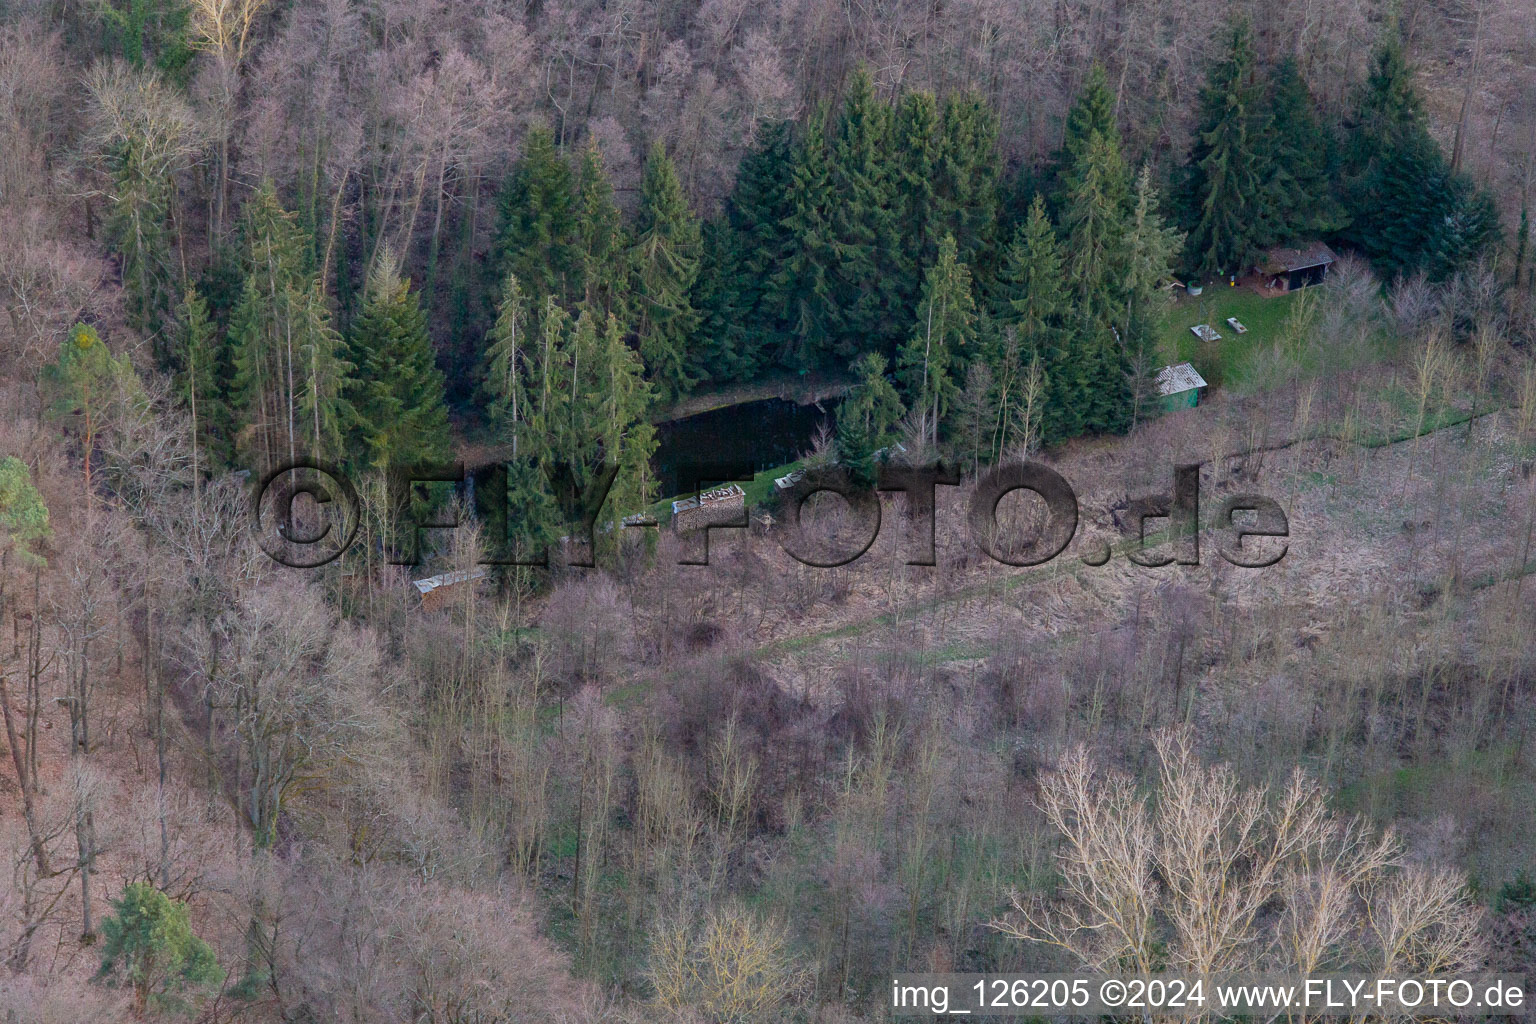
716, 507
1285, 269
1205, 332
788, 480
1180, 386
1236, 325
437, 591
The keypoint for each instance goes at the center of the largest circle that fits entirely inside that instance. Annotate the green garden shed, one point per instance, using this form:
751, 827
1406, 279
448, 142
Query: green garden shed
1179, 386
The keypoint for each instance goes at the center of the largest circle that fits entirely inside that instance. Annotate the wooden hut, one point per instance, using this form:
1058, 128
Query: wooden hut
1285, 269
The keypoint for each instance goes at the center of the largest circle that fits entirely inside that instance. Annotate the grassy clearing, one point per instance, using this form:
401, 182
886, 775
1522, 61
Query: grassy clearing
759, 491
1222, 362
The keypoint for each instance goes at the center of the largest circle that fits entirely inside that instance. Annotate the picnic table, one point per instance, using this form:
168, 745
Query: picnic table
1205, 332
1239, 328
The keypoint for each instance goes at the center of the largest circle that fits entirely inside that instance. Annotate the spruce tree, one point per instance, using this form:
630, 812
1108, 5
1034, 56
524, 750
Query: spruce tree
874, 405
201, 377
514, 391
1299, 157
1093, 228
712, 355
1029, 292
538, 240
1092, 115
139, 229
1389, 108
1226, 199
967, 187
1409, 211
548, 382
396, 393
1032, 310
864, 290
975, 414
741, 329
941, 340
289, 373
575, 422
1412, 213
628, 439
1093, 200
665, 263
504, 382
1151, 247
802, 286
867, 419
599, 238
918, 156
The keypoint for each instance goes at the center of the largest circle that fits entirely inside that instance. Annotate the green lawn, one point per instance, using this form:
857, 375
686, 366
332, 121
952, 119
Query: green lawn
1221, 361
758, 492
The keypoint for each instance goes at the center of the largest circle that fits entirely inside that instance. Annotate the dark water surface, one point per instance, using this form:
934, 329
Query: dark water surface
766, 434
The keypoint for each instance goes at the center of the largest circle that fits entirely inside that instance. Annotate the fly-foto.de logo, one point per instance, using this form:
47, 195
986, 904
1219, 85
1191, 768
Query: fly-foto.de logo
1248, 530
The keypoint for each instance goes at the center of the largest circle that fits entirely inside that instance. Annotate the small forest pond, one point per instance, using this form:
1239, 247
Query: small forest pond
765, 434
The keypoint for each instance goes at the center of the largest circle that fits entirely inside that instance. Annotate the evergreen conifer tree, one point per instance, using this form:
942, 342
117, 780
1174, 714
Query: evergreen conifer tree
538, 240
504, 380
665, 263
864, 289
1299, 158
1093, 228
866, 421
201, 377
512, 381
1408, 210
967, 184
1226, 200
802, 286
1151, 247
1388, 110
741, 328
918, 156
1031, 309
396, 393
600, 238
289, 373
941, 340
628, 439
1091, 115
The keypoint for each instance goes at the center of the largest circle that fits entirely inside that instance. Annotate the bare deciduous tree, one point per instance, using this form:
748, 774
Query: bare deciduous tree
1189, 879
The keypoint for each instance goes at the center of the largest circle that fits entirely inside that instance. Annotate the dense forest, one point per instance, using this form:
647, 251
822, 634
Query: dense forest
881, 234
236, 235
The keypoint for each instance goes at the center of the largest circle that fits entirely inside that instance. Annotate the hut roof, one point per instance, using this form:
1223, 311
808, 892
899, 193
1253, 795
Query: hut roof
725, 493
1173, 380
1284, 259
448, 579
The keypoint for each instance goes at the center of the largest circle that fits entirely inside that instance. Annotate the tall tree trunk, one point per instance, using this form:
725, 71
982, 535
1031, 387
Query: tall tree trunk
28, 800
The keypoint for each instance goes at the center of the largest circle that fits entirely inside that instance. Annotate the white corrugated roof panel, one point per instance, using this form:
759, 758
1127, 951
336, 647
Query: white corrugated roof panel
1173, 380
